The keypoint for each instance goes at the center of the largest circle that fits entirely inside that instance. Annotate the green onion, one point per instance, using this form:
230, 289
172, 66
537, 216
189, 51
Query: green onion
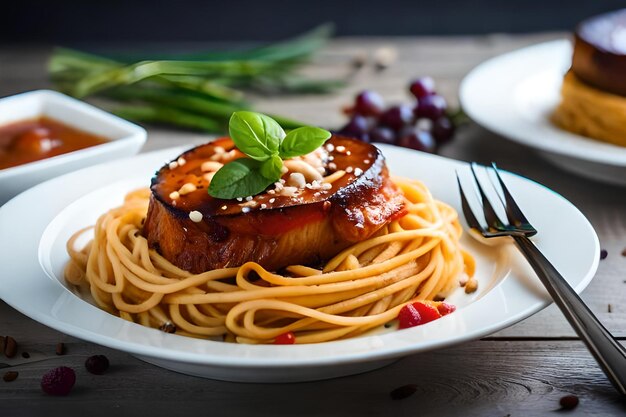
198, 91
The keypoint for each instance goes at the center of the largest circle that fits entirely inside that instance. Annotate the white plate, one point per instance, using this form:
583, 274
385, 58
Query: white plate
32, 255
514, 95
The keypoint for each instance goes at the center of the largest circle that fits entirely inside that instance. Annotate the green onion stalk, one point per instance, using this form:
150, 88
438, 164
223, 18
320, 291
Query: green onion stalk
193, 91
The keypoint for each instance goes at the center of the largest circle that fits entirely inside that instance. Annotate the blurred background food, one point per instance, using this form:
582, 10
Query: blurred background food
190, 65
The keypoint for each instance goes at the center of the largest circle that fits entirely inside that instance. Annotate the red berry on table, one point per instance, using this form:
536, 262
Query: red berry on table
432, 107
287, 338
58, 381
369, 103
382, 134
420, 140
422, 87
397, 117
443, 130
415, 314
97, 364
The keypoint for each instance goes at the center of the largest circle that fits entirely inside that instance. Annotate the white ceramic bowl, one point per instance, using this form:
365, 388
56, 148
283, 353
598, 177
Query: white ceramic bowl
125, 138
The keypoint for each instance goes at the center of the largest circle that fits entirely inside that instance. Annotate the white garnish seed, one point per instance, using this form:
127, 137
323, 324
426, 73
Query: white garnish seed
187, 188
195, 216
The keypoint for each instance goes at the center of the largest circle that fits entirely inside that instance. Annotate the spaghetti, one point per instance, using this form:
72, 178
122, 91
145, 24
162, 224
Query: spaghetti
416, 257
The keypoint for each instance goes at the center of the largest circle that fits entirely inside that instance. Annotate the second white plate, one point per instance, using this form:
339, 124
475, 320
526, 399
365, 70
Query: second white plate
514, 95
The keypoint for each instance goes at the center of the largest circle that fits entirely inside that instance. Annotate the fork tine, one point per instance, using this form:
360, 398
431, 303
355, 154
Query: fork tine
513, 212
472, 222
490, 214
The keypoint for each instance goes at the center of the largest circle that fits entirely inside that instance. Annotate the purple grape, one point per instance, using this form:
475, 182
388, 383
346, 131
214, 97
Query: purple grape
432, 107
397, 117
382, 134
422, 87
420, 140
356, 127
443, 130
369, 103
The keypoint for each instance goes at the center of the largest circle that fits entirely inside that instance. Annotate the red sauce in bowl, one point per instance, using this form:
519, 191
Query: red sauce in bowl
36, 139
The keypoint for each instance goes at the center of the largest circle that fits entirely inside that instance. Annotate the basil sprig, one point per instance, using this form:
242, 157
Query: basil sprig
265, 143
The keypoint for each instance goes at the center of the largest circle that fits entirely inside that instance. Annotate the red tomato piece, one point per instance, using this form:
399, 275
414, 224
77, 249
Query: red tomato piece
445, 308
287, 338
417, 313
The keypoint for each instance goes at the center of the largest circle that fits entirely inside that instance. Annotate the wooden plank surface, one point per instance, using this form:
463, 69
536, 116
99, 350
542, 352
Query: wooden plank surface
522, 370
481, 378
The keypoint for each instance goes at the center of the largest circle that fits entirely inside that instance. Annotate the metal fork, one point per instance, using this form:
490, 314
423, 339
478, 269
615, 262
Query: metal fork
604, 347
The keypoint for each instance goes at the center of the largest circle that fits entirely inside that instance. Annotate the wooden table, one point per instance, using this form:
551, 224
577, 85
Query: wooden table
521, 371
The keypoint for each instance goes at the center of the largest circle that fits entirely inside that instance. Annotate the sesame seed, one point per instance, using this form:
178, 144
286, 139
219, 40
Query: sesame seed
187, 188
239, 199
174, 195
195, 216
272, 200
340, 148
358, 171
210, 166
348, 153
181, 161
297, 180
367, 161
219, 149
331, 158
173, 165
330, 147
326, 186
249, 198
349, 170
245, 209
271, 192
289, 191
263, 206
332, 166
224, 207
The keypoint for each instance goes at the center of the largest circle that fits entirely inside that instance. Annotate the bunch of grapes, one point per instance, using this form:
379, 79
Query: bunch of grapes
424, 126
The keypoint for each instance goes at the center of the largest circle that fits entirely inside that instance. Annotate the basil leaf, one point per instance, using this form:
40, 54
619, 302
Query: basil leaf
254, 134
302, 141
272, 168
238, 178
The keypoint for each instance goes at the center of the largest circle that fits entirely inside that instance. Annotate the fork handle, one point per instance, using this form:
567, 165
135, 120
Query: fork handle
609, 353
